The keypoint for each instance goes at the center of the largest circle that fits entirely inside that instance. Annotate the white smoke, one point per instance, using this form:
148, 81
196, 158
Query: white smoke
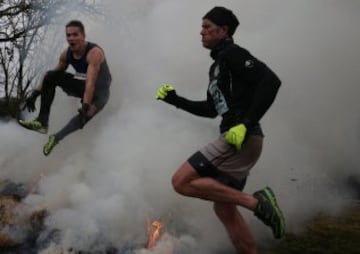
108, 178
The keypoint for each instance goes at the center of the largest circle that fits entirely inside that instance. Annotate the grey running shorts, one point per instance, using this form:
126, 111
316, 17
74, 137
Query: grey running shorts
223, 162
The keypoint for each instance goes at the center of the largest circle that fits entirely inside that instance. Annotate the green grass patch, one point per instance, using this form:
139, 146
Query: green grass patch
338, 234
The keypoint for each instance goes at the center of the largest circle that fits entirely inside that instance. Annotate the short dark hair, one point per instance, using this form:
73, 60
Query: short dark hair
76, 23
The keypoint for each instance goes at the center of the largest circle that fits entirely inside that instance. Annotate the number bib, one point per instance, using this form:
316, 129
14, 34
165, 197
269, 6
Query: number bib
216, 94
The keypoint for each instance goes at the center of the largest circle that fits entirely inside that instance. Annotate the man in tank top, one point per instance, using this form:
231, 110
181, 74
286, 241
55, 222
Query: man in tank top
90, 82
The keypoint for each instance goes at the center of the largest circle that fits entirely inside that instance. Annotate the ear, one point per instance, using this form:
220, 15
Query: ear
225, 30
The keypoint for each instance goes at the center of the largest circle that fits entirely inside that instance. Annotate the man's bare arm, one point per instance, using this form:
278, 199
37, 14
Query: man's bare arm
95, 57
62, 64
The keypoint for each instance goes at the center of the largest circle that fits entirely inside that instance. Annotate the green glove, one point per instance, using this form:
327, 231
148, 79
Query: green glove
236, 135
164, 90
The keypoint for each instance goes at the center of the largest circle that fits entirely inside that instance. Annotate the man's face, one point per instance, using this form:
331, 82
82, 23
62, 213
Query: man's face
212, 34
75, 38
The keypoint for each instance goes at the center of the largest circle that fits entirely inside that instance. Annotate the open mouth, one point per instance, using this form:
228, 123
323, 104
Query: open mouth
72, 45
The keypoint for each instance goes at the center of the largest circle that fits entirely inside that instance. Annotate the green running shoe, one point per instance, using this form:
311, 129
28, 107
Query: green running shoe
34, 125
269, 212
49, 145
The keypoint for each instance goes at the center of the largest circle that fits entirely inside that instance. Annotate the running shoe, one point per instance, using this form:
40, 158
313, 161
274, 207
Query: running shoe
34, 125
49, 145
269, 212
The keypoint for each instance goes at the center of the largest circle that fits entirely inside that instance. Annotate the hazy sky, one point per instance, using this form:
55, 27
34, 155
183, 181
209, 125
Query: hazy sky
107, 178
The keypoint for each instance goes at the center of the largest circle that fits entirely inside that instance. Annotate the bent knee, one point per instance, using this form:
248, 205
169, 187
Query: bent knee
181, 180
51, 77
177, 184
181, 186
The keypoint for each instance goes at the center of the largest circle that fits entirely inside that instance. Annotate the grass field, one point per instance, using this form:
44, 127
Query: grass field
324, 234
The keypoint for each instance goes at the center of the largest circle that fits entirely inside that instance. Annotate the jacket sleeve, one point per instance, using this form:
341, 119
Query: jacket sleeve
264, 95
199, 108
263, 81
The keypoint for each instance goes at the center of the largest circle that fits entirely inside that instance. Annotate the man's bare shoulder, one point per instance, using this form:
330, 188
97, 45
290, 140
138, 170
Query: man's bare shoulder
96, 54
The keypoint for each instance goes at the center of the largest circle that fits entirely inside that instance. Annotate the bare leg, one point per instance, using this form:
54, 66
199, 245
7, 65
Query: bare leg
238, 231
187, 182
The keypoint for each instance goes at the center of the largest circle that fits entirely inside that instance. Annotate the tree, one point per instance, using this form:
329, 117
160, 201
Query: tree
24, 25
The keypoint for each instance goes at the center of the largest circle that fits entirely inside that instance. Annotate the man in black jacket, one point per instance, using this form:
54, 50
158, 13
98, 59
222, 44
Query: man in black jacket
241, 89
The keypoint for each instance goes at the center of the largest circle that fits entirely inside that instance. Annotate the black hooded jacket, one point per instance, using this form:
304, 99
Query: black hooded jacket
241, 89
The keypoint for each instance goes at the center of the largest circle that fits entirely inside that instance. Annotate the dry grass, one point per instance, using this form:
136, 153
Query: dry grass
325, 234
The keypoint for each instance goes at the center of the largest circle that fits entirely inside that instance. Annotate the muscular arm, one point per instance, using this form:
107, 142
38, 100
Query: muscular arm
62, 64
94, 58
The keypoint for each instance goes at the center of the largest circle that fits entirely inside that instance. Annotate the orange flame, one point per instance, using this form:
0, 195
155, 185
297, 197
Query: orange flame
154, 230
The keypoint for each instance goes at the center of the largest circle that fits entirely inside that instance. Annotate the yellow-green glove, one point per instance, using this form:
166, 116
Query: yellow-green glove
163, 91
236, 135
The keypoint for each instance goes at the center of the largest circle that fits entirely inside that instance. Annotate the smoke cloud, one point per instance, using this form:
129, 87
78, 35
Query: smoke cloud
105, 180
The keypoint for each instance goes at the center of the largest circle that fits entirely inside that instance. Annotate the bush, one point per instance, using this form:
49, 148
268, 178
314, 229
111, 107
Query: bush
9, 107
